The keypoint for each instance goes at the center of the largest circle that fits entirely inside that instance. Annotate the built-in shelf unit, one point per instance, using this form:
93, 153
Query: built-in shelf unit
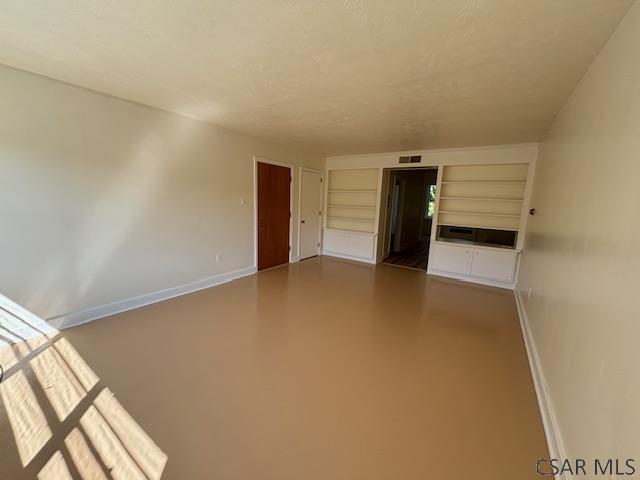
480, 211
482, 196
477, 206
352, 199
351, 213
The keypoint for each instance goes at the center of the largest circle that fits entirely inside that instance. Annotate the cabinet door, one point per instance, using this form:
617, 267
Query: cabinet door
493, 264
346, 243
452, 259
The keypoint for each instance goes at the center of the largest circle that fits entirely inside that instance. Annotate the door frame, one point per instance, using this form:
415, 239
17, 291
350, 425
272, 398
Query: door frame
321, 173
402, 190
256, 160
387, 219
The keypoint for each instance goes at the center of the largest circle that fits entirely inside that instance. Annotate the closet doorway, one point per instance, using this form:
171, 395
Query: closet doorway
310, 209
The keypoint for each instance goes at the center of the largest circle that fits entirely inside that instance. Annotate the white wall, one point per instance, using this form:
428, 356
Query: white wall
102, 199
582, 255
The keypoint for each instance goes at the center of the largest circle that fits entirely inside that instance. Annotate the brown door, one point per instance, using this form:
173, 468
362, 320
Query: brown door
273, 215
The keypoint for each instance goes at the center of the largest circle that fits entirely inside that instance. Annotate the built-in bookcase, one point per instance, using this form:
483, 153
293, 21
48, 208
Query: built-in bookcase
484, 196
352, 199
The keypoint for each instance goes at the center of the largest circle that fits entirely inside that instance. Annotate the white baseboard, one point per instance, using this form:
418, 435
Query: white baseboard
549, 419
349, 257
467, 278
73, 319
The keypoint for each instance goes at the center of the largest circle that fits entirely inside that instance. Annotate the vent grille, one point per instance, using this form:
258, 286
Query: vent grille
411, 159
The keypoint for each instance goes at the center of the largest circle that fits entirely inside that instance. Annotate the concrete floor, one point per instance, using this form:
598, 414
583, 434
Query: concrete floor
321, 370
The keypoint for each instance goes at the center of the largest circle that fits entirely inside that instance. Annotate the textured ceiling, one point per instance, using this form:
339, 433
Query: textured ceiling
348, 76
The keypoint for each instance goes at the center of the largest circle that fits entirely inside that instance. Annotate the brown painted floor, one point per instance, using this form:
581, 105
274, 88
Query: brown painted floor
322, 370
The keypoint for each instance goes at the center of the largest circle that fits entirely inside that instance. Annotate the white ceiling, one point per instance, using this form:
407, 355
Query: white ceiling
335, 76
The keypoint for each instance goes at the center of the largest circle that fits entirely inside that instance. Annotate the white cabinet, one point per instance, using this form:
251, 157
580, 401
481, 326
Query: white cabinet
491, 266
348, 244
453, 259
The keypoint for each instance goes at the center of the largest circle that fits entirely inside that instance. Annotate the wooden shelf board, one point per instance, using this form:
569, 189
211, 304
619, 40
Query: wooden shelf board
353, 191
479, 226
483, 199
351, 219
484, 214
349, 231
486, 182
368, 207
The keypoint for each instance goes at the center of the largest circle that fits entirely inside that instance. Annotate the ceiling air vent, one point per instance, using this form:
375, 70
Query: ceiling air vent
411, 159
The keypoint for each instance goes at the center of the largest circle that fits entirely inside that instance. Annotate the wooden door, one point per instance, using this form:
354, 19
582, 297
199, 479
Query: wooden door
273, 214
310, 210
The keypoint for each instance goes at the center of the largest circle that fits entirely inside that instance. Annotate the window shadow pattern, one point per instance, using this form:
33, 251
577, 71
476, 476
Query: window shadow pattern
64, 423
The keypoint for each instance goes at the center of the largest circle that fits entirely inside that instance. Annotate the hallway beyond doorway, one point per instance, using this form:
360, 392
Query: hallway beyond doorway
414, 257
410, 204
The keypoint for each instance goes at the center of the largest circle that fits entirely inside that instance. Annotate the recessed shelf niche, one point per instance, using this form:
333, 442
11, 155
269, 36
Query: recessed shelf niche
484, 196
352, 199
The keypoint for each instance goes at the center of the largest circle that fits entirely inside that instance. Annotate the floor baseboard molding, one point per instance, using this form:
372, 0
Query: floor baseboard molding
470, 279
73, 319
348, 257
549, 419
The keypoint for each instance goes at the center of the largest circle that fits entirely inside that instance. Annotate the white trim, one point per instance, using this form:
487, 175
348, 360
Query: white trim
325, 202
526, 204
376, 225
257, 159
435, 150
384, 223
496, 155
436, 212
73, 319
321, 173
547, 412
436, 208
351, 232
391, 186
349, 257
467, 278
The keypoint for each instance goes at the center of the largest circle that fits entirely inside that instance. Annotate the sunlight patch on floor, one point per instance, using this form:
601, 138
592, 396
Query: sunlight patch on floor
83, 459
139, 445
62, 388
32, 358
30, 428
55, 469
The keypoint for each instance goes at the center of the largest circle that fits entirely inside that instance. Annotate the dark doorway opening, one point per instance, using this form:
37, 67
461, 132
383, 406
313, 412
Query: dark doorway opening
410, 203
